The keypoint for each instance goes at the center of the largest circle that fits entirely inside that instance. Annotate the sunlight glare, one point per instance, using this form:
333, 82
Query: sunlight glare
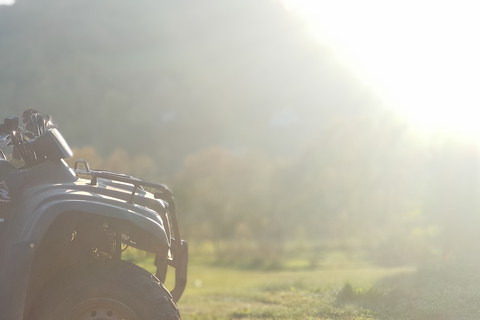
7, 2
421, 57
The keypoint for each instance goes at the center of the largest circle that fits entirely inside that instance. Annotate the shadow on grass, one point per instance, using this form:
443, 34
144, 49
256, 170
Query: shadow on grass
449, 291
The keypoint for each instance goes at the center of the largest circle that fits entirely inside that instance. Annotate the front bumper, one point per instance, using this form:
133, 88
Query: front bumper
180, 263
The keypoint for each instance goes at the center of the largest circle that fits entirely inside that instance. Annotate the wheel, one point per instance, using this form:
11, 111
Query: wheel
107, 290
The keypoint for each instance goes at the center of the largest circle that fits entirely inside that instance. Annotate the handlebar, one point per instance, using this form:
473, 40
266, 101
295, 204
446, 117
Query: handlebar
11, 134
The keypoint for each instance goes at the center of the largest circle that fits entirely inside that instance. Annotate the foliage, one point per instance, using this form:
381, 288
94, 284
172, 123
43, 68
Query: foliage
119, 160
266, 139
251, 206
234, 191
344, 189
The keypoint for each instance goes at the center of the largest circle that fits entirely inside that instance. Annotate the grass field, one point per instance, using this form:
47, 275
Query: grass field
344, 290
215, 293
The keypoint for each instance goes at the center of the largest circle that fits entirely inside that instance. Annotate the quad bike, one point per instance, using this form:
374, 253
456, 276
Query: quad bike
63, 230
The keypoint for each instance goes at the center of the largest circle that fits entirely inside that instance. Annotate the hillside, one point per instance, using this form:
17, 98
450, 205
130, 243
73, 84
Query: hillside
172, 76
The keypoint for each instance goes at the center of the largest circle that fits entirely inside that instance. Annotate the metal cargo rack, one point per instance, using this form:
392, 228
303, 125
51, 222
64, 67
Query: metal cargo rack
179, 248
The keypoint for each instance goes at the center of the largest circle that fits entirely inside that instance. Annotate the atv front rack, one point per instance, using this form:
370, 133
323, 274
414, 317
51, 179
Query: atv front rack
165, 193
179, 248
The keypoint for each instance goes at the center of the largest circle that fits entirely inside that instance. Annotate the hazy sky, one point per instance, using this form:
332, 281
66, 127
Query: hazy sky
422, 56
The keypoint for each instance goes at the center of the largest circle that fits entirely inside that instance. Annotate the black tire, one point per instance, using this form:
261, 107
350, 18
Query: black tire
107, 290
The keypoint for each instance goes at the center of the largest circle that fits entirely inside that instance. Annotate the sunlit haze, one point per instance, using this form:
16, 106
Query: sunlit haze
421, 56
320, 151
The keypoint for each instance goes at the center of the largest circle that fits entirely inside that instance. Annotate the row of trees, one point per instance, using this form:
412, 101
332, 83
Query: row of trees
365, 183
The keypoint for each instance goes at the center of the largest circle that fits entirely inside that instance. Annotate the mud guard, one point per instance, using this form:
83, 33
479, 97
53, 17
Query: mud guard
36, 226
24, 242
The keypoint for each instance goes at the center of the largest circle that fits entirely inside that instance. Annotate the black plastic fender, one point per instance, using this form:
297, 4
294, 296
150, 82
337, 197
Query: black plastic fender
33, 220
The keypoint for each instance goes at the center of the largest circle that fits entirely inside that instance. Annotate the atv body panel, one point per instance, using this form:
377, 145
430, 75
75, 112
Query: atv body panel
43, 201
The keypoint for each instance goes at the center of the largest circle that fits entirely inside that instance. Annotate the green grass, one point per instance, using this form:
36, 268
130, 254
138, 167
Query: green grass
294, 292
336, 289
218, 293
